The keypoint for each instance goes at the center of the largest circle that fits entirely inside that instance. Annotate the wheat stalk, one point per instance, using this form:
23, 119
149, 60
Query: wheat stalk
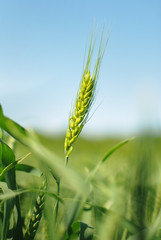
84, 99
34, 216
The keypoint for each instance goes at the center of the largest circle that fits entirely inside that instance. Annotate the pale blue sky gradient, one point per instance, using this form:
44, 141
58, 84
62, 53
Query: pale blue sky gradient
42, 49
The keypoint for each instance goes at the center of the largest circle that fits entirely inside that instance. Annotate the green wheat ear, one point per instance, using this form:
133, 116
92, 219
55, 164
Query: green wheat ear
33, 218
84, 99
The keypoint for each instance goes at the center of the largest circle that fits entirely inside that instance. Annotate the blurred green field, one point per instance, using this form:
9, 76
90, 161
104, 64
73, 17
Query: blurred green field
87, 152
128, 185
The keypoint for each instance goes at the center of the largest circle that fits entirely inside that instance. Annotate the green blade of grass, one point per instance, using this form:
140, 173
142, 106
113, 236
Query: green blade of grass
8, 208
20, 167
11, 194
8, 158
113, 149
5, 124
107, 155
28, 169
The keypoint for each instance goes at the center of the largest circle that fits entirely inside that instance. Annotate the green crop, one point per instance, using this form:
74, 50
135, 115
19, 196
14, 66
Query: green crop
110, 189
84, 99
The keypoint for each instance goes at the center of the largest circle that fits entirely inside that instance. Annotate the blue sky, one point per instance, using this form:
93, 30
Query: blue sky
42, 49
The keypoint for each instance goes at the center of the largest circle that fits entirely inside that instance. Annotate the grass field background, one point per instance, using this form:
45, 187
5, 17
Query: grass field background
135, 166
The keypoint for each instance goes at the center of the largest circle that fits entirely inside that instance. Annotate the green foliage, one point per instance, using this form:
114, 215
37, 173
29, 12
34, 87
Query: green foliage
10, 197
119, 197
79, 230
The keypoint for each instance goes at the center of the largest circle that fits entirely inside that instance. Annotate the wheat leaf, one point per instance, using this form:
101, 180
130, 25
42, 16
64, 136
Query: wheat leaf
107, 155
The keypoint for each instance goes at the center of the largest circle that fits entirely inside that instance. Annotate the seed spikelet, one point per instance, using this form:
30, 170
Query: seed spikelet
34, 216
84, 98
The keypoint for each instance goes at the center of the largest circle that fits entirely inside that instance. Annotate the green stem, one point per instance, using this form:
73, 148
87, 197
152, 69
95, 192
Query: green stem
58, 193
57, 201
57, 179
66, 161
18, 231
